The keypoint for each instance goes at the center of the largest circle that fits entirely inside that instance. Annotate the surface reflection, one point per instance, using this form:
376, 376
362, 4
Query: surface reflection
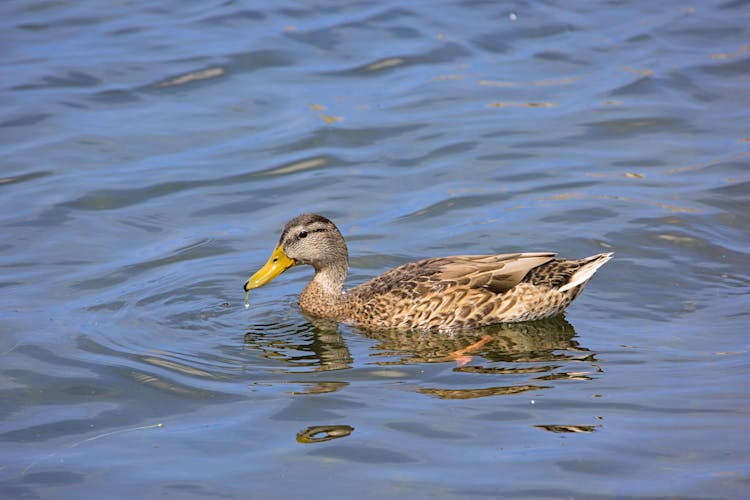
519, 353
480, 392
323, 387
522, 356
313, 346
319, 344
538, 341
322, 433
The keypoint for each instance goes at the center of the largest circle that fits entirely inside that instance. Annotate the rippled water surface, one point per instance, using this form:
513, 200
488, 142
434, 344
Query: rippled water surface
151, 153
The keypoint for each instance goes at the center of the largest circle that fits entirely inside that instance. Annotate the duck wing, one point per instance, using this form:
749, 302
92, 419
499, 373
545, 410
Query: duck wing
496, 273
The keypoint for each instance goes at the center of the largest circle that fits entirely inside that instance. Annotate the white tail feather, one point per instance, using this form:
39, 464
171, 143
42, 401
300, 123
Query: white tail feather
586, 271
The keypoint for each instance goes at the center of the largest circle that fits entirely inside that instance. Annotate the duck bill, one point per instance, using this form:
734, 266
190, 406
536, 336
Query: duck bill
277, 264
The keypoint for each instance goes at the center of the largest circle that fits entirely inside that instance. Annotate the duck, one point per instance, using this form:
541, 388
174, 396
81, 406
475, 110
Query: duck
437, 293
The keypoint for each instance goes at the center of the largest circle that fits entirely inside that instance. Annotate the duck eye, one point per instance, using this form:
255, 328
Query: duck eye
302, 234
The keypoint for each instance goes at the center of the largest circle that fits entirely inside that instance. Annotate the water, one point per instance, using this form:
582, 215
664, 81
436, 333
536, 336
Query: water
151, 155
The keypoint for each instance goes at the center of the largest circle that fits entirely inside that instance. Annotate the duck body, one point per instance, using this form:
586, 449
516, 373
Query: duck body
444, 293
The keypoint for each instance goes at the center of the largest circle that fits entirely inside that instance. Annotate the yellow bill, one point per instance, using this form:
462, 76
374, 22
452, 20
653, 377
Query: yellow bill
277, 264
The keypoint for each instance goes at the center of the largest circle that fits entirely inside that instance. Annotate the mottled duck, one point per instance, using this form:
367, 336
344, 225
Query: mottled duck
444, 293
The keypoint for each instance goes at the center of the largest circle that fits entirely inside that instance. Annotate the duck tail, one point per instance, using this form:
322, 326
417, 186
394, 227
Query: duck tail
589, 266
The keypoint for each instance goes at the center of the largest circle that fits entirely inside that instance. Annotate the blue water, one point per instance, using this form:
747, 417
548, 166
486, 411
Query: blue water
151, 154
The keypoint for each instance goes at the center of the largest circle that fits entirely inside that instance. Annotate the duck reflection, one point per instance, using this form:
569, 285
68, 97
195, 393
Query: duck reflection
539, 349
317, 345
482, 392
313, 346
322, 433
531, 342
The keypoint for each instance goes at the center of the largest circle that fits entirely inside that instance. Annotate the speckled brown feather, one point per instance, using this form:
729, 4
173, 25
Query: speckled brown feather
442, 293
465, 291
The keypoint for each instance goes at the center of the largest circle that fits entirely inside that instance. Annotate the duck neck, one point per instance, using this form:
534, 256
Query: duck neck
323, 296
332, 278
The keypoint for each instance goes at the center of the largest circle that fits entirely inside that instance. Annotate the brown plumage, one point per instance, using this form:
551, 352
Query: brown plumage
443, 293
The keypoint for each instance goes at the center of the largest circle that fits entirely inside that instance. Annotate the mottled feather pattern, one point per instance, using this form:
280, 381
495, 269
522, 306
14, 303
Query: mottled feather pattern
464, 291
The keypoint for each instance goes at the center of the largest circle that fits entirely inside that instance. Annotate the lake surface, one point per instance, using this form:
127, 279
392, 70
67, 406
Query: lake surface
151, 154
